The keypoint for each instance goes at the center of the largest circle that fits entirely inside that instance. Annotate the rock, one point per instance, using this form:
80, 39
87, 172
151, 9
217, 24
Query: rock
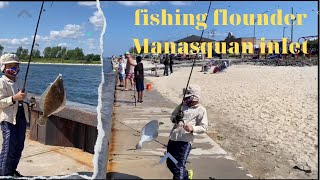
303, 167
254, 145
220, 137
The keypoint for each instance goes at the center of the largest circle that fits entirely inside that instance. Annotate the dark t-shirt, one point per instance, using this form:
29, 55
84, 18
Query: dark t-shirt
166, 60
138, 71
171, 58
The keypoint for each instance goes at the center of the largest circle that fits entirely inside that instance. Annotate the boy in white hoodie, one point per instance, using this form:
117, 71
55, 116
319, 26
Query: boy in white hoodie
193, 121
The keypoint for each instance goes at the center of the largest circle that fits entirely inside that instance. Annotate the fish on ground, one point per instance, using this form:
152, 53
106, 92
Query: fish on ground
149, 132
52, 100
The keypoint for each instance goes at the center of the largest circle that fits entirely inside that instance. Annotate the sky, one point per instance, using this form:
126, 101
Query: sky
121, 30
67, 24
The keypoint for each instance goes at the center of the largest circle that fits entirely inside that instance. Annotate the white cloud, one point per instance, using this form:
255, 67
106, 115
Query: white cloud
11, 45
41, 38
22, 41
180, 3
63, 44
88, 3
70, 31
135, 3
97, 19
3, 4
224, 34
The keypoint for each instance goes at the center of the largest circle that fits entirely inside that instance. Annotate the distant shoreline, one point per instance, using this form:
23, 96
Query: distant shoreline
78, 64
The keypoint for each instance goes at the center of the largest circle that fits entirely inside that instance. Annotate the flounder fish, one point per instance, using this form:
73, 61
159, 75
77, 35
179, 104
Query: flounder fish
52, 100
149, 132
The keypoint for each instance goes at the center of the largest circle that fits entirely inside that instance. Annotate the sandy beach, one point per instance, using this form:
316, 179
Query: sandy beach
266, 117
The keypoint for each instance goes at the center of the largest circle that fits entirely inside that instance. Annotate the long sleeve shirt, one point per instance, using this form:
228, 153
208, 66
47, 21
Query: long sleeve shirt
195, 116
9, 108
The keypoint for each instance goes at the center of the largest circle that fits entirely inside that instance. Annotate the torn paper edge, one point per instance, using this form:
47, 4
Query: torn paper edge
100, 152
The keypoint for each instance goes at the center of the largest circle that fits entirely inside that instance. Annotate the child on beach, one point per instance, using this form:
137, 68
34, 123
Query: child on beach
13, 116
121, 70
193, 121
139, 78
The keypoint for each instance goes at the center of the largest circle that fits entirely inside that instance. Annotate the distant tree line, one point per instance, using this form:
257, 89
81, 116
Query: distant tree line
57, 52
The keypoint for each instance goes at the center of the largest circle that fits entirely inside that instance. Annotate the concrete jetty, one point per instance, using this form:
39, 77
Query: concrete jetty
207, 158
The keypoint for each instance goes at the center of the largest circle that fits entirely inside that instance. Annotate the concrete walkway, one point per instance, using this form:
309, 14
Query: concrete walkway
43, 160
207, 159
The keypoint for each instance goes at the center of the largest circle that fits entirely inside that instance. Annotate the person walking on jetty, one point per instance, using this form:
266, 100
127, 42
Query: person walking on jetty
171, 63
13, 116
193, 120
166, 65
121, 70
139, 78
129, 71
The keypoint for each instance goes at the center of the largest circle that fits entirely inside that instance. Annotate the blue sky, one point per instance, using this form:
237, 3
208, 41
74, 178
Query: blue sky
121, 29
70, 24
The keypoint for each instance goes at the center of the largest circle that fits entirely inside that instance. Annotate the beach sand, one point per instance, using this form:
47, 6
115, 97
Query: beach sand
266, 117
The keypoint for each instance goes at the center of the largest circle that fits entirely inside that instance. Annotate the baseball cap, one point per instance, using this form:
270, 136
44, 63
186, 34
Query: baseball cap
9, 58
127, 53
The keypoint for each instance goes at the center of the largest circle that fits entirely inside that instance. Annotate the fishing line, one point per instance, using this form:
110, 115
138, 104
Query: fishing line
194, 61
33, 43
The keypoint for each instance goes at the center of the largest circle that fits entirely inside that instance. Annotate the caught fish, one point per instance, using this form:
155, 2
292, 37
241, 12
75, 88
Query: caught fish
52, 100
149, 132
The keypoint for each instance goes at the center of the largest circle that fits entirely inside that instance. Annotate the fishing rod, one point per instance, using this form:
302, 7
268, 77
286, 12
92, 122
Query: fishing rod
135, 98
34, 40
180, 113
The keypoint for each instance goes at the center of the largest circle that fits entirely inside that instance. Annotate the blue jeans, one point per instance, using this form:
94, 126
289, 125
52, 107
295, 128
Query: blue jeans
13, 143
180, 151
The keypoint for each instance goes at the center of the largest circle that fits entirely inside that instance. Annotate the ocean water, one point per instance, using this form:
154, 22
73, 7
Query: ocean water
81, 82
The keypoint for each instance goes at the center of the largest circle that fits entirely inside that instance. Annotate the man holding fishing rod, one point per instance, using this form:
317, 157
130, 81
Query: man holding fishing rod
189, 118
13, 116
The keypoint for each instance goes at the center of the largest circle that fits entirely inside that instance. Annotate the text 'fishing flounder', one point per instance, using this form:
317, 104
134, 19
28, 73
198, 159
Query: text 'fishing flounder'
149, 132
52, 100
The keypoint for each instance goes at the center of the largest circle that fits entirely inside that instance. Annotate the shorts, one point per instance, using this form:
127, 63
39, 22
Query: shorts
121, 77
139, 85
130, 76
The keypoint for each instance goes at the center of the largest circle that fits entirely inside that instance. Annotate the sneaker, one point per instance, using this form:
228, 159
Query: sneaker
16, 174
190, 174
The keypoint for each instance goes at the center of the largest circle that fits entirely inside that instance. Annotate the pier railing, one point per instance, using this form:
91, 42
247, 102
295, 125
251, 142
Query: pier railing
74, 126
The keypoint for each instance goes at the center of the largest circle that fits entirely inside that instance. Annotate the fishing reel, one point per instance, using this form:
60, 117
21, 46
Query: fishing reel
178, 118
32, 102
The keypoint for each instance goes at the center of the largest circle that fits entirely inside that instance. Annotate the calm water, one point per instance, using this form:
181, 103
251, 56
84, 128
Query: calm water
81, 82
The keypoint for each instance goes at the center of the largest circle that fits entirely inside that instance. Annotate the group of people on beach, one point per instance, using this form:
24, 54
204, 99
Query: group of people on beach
131, 70
220, 67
